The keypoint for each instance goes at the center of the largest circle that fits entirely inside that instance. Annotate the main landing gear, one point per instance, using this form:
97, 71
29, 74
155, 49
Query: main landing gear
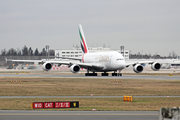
90, 74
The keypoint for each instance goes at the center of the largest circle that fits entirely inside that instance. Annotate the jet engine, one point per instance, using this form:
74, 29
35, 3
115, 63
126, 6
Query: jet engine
75, 68
138, 68
155, 66
47, 66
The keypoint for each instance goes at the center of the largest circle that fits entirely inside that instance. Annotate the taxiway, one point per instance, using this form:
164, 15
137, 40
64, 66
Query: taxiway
155, 77
77, 115
82, 96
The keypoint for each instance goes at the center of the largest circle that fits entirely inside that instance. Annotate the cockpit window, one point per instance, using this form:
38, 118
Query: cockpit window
119, 59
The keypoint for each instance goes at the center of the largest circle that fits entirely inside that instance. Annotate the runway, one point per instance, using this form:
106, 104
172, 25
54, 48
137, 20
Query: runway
155, 77
78, 115
1, 97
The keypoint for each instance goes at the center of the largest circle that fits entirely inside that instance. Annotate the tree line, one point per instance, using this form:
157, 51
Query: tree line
25, 51
172, 55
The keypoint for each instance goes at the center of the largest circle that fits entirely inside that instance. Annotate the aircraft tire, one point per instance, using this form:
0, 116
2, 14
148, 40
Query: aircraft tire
120, 74
90, 74
94, 74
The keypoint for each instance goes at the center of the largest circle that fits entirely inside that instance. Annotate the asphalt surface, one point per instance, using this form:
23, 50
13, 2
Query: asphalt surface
77, 115
78, 96
156, 77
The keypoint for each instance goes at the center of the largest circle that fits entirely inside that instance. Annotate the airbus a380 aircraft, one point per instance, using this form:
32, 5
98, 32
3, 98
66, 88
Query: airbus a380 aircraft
96, 62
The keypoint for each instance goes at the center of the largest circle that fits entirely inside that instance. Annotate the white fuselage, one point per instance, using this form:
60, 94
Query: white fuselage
111, 61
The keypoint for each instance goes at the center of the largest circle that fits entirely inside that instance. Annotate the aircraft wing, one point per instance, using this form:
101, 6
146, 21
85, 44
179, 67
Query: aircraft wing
69, 63
71, 58
34, 61
10, 60
82, 65
128, 63
41, 61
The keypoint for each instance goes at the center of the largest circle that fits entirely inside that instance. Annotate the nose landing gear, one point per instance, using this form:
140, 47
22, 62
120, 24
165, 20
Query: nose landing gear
117, 74
104, 74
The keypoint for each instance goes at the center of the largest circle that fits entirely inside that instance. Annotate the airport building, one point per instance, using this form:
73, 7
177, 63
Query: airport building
77, 52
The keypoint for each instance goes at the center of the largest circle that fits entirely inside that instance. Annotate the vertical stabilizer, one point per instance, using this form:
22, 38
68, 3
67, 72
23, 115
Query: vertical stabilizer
83, 40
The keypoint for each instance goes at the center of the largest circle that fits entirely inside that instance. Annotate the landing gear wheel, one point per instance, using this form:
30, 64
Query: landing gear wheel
90, 74
119, 74
94, 74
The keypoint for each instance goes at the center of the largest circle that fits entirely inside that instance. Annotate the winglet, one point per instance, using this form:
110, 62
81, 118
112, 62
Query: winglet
5, 59
8, 60
83, 40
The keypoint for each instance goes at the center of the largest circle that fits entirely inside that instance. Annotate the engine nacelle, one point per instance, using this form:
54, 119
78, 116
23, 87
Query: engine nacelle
47, 66
155, 66
75, 68
138, 68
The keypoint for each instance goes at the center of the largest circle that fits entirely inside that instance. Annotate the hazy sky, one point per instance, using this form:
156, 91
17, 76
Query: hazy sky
140, 25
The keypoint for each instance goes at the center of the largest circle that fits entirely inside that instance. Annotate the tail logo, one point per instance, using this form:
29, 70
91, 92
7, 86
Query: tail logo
82, 42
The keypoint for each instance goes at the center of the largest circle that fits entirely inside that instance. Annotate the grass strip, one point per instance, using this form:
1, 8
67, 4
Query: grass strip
86, 87
100, 104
